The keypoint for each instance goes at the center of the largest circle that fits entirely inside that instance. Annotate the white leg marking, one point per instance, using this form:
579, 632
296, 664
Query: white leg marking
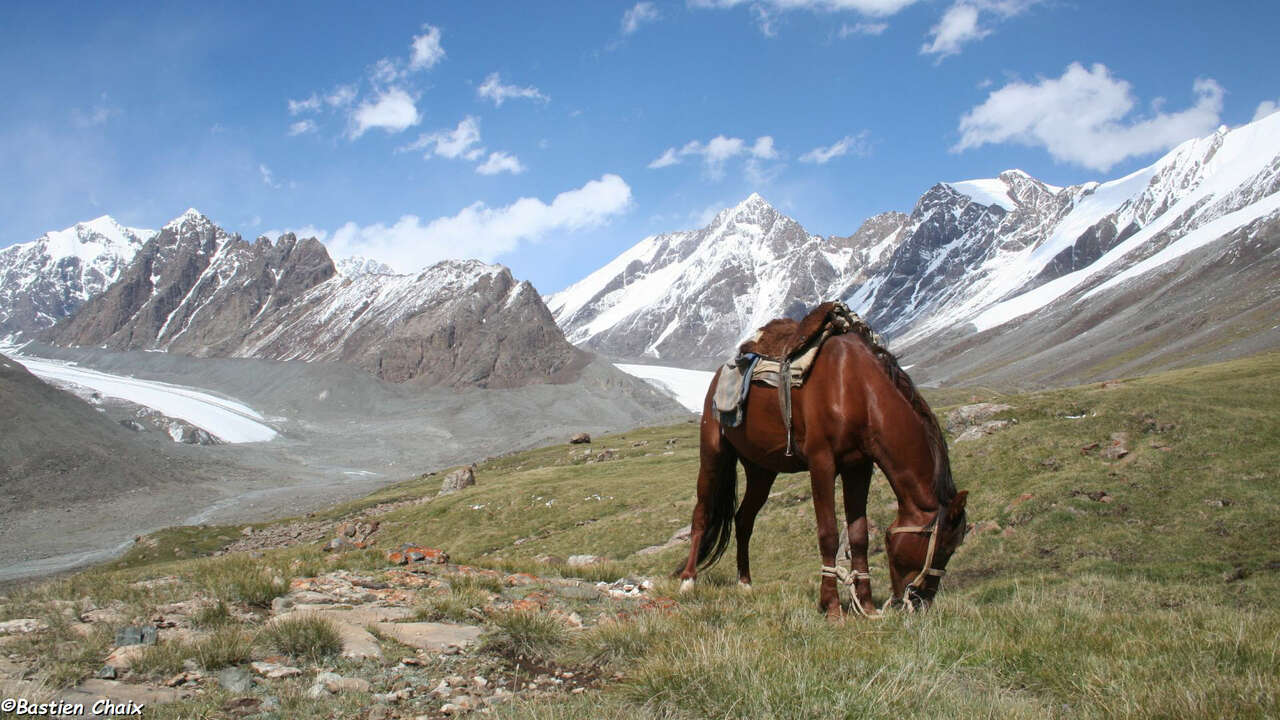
744, 586
686, 585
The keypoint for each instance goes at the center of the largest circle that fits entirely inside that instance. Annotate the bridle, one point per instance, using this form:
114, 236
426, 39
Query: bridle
911, 593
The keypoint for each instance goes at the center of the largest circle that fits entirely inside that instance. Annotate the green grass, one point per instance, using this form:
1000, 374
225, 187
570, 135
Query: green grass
228, 645
1159, 603
303, 637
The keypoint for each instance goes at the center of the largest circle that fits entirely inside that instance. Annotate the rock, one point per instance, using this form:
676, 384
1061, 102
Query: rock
123, 657
458, 479
987, 527
274, 671
429, 635
978, 432
22, 626
604, 455
241, 706
968, 415
281, 604
338, 684
106, 672
339, 544
408, 553
583, 560
235, 679
136, 635
580, 439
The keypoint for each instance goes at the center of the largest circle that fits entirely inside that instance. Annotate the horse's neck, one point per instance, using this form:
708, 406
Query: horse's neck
910, 467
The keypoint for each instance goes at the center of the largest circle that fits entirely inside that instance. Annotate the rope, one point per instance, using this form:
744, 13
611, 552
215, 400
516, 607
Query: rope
784, 400
848, 578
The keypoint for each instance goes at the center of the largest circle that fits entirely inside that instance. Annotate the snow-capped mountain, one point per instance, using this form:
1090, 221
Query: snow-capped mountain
972, 256
684, 298
49, 278
198, 290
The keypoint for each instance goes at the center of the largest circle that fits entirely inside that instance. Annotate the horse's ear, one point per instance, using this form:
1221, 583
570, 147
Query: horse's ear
957, 503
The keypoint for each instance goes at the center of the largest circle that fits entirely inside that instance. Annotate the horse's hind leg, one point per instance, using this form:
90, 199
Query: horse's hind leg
759, 482
822, 478
857, 479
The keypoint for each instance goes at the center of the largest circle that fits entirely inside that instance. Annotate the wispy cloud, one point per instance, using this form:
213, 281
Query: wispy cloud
500, 162
849, 144
862, 28
462, 141
302, 127
268, 178
479, 231
393, 111
1084, 118
716, 152
639, 14
962, 23
307, 105
425, 50
493, 89
99, 114
1265, 108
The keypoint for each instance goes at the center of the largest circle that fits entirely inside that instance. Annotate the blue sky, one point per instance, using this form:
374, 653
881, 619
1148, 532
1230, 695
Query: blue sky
551, 136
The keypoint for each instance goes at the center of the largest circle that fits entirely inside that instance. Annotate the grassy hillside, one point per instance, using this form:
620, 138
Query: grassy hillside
1090, 587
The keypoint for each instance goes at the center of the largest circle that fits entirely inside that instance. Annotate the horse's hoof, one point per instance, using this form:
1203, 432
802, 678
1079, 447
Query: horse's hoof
686, 585
744, 586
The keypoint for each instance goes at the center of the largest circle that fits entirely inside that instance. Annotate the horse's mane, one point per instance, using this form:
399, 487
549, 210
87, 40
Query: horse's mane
944, 486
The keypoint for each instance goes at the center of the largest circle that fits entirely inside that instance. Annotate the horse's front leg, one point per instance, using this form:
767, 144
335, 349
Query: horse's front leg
759, 482
822, 477
857, 480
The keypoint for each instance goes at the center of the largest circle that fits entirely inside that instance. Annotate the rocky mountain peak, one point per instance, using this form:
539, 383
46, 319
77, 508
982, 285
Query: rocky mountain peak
190, 219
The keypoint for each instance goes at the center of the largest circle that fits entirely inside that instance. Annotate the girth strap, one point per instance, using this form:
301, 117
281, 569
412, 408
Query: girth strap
784, 400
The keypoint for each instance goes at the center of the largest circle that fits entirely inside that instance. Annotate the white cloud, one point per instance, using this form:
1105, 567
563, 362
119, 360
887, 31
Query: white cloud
1082, 118
268, 178
385, 71
856, 144
639, 14
862, 28
493, 89
478, 231
462, 141
341, 96
97, 115
393, 112
425, 49
311, 104
302, 127
500, 162
716, 152
1265, 108
875, 8
959, 25
962, 24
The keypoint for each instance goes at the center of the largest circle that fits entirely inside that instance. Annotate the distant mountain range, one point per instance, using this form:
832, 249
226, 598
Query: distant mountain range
195, 289
1009, 257
1007, 279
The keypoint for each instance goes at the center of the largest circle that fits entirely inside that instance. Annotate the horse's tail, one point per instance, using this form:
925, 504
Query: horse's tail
722, 508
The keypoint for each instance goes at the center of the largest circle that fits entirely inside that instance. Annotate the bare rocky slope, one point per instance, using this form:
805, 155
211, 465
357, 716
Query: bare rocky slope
198, 290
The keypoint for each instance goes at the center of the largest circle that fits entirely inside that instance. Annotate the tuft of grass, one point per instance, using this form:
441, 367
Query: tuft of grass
228, 645
239, 578
525, 633
306, 637
212, 616
458, 605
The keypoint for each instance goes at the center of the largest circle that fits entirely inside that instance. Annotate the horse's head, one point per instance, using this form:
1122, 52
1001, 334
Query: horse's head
918, 555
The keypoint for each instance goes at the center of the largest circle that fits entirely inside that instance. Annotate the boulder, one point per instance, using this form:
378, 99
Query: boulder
22, 626
580, 439
458, 479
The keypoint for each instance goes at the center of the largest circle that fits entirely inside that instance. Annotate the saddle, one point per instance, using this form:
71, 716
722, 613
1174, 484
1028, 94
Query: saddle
780, 355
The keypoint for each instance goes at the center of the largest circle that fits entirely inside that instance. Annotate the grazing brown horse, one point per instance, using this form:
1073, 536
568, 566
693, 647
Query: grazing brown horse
857, 407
